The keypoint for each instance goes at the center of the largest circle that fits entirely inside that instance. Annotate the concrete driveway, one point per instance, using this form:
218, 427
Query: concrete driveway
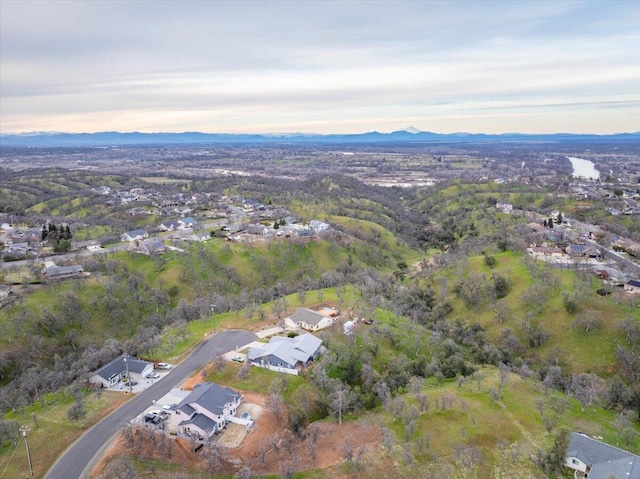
80, 458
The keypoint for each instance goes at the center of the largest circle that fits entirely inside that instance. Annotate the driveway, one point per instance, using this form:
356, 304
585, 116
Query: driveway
80, 458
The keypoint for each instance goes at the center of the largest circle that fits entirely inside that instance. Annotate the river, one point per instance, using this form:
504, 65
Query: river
583, 168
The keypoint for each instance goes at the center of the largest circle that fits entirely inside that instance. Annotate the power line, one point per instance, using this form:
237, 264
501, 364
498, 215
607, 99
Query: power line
15, 447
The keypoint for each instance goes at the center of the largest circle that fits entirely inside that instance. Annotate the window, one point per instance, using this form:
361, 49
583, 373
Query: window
574, 461
178, 413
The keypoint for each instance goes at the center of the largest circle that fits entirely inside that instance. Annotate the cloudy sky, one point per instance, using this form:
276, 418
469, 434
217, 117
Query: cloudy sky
320, 66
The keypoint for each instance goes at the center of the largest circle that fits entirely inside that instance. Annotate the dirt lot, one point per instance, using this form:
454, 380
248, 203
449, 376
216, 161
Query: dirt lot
268, 448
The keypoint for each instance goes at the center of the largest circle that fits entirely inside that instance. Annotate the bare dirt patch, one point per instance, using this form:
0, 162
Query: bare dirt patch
269, 447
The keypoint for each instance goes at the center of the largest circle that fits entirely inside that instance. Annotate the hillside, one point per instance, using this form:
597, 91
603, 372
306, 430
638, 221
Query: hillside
473, 343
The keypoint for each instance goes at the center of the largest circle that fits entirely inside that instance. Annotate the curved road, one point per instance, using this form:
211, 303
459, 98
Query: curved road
77, 460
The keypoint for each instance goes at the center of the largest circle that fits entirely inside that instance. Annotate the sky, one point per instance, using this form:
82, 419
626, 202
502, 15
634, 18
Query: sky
320, 66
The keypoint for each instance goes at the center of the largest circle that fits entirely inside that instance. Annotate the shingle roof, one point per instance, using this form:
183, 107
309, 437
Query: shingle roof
134, 233
633, 282
290, 350
606, 461
202, 421
210, 396
117, 366
312, 318
62, 270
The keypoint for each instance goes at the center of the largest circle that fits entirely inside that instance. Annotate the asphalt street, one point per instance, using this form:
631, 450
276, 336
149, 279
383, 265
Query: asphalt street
78, 460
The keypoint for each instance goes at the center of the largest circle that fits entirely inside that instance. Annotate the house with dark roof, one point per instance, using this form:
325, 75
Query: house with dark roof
151, 247
53, 272
632, 286
123, 367
169, 225
308, 319
581, 250
597, 460
205, 411
286, 355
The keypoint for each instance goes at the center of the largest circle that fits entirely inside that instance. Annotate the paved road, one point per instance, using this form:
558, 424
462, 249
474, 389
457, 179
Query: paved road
78, 460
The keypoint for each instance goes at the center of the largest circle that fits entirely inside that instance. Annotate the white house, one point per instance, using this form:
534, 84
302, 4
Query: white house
186, 223
134, 235
308, 319
120, 368
169, 225
597, 460
504, 207
318, 226
632, 286
286, 354
205, 411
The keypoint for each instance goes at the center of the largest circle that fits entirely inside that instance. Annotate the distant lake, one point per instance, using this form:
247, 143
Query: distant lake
583, 168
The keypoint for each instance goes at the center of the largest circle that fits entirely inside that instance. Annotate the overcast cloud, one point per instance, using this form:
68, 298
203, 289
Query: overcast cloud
326, 67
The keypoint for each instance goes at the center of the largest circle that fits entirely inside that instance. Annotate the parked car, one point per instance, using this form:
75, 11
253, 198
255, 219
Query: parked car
246, 415
163, 366
238, 359
153, 376
152, 418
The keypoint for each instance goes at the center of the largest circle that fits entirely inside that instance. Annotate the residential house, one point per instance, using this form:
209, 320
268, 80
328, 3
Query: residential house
205, 411
169, 225
318, 226
597, 460
151, 247
308, 319
200, 237
632, 286
581, 250
186, 223
613, 276
52, 272
286, 354
259, 230
504, 207
123, 367
134, 235
249, 204
17, 250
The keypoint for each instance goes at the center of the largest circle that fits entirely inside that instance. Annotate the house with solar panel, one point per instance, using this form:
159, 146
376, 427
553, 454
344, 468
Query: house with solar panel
592, 459
205, 411
582, 251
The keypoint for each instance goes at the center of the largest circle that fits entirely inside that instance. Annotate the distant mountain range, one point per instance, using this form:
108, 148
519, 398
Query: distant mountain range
408, 135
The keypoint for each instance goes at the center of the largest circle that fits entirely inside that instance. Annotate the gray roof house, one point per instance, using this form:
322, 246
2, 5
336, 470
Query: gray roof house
118, 369
63, 272
187, 222
169, 225
597, 460
205, 411
134, 235
308, 319
286, 354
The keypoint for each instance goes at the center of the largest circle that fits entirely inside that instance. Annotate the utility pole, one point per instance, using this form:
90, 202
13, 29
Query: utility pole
24, 431
213, 316
126, 364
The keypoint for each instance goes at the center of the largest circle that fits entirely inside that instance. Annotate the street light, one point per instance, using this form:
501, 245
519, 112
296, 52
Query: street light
213, 316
